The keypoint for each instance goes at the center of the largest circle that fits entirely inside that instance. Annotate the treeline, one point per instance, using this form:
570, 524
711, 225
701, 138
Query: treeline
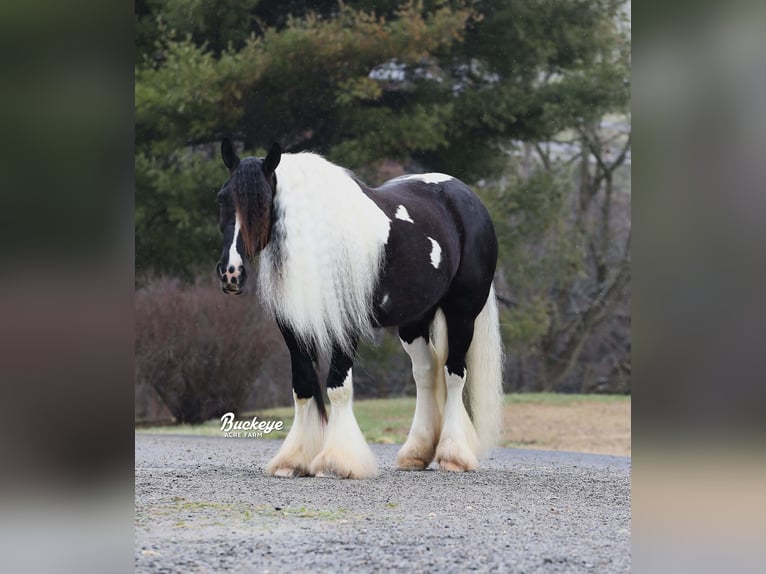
525, 100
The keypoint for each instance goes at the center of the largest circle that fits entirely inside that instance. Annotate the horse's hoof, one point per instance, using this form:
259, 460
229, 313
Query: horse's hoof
322, 474
452, 466
455, 456
333, 463
286, 472
411, 463
417, 452
283, 467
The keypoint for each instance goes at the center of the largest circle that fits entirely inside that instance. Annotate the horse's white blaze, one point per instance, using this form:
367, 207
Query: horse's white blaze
436, 252
302, 443
403, 214
235, 258
458, 442
427, 177
345, 451
418, 451
320, 278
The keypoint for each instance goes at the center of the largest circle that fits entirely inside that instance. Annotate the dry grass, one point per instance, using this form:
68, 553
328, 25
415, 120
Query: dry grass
595, 426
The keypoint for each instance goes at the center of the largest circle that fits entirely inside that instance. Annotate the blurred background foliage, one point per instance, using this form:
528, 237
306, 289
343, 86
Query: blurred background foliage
526, 100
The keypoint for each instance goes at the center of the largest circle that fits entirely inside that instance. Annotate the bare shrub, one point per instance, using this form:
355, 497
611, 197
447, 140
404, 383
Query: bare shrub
201, 350
382, 368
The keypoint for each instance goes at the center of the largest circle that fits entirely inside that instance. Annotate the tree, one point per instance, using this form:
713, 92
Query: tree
527, 71
306, 85
563, 217
488, 91
469, 77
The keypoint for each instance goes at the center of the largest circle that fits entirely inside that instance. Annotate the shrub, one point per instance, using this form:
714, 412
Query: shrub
382, 368
201, 350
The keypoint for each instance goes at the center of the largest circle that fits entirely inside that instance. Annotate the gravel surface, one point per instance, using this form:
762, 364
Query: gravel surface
203, 505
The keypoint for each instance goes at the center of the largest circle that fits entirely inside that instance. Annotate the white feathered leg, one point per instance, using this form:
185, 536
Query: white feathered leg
418, 450
345, 452
302, 442
458, 441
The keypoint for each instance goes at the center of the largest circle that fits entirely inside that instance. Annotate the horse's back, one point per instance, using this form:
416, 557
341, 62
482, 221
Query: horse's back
447, 205
441, 239
477, 258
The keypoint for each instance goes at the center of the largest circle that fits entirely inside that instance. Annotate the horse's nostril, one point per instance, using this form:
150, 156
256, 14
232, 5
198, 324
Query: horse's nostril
233, 280
231, 268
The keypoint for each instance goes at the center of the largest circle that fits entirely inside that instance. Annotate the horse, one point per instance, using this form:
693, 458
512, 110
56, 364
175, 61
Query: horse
338, 259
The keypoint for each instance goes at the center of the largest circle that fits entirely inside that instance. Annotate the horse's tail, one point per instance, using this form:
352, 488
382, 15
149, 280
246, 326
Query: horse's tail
484, 363
316, 391
484, 385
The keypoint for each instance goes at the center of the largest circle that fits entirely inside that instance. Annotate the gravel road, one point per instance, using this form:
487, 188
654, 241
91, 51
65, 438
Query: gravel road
203, 505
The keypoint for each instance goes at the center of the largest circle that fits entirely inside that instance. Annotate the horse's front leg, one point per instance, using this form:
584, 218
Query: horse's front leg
345, 452
306, 435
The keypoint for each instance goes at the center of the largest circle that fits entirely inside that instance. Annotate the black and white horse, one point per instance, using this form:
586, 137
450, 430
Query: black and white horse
338, 259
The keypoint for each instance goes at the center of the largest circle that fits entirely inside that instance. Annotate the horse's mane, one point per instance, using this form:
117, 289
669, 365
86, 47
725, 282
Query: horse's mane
320, 268
252, 207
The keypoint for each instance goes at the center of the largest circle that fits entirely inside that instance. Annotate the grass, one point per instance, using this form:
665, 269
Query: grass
548, 421
183, 513
562, 399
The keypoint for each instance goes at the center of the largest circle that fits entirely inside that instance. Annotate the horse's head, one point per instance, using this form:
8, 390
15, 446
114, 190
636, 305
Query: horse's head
246, 209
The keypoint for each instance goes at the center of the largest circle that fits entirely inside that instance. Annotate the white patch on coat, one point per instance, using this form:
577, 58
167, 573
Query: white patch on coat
403, 214
320, 280
385, 300
436, 252
345, 452
235, 258
427, 177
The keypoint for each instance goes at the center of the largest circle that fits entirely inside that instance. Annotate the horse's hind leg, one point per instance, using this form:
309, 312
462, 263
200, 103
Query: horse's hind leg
458, 442
345, 452
418, 451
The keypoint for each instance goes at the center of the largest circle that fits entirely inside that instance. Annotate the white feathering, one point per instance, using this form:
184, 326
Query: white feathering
321, 279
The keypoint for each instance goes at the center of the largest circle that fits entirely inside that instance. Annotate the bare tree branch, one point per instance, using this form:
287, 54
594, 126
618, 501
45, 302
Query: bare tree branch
544, 156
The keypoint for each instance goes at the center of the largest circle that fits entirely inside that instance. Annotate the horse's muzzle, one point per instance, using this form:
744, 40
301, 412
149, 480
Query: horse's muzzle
233, 279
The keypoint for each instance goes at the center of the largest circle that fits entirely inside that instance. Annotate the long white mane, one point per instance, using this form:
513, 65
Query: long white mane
320, 268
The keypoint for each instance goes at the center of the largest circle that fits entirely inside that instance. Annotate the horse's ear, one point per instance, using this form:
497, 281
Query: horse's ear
230, 158
272, 159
